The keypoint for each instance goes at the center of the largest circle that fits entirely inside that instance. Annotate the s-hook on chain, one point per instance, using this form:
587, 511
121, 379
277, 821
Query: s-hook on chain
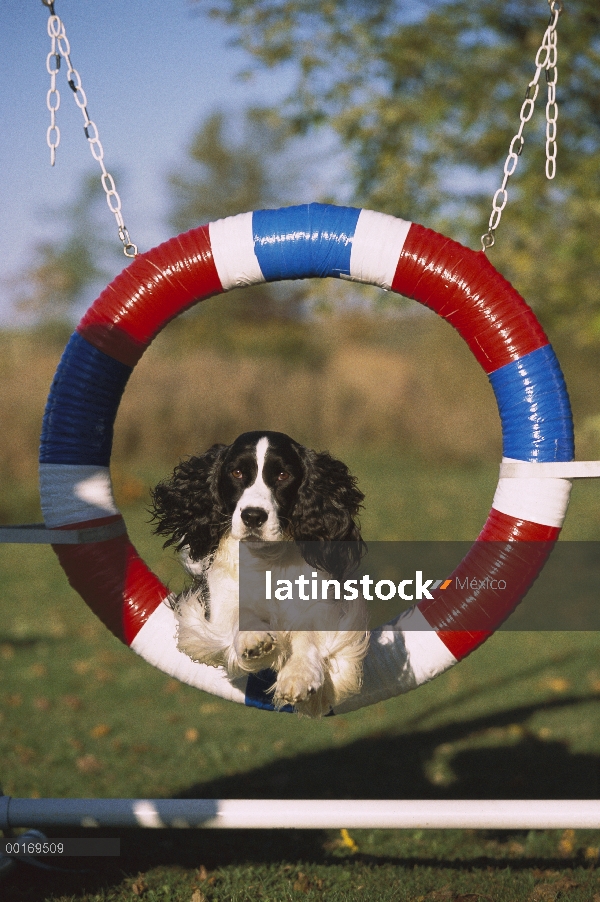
60, 48
546, 58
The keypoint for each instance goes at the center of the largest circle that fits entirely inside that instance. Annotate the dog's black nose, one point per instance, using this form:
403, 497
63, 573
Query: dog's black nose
254, 516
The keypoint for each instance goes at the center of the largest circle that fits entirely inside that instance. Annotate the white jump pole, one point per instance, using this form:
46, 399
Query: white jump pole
303, 814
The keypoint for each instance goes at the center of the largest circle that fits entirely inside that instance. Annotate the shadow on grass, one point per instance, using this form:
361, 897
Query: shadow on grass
393, 766
514, 764
26, 643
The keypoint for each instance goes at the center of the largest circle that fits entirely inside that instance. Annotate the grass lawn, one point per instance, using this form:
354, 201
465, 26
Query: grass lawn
82, 716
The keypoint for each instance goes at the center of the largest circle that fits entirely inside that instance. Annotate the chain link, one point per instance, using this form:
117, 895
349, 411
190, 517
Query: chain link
60, 48
546, 59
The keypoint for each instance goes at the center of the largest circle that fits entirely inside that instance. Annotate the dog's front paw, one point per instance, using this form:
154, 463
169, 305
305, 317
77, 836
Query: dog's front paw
253, 647
298, 683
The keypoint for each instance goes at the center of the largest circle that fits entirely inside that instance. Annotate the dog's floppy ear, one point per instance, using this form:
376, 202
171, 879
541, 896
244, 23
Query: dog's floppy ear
324, 519
187, 507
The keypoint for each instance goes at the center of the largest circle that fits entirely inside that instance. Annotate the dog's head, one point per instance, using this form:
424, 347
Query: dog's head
263, 487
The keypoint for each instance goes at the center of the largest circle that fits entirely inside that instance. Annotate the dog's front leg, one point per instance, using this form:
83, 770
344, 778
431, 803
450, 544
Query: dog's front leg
301, 679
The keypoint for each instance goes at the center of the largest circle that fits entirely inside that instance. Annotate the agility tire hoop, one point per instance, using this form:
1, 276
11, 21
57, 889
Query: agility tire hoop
309, 241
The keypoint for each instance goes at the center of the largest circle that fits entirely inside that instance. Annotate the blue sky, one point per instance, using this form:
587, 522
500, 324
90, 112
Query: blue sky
151, 69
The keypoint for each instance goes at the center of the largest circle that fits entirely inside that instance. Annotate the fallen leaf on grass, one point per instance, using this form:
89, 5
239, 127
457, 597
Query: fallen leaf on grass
171, 686
102, 729
548, 892
24, 754
544, 892
567, 843
192, 734
38, 670
88, 764
516, 848
344, 841
347, 841
198, 896
556, 684
566, 883
303, 883
139, 887
82, 667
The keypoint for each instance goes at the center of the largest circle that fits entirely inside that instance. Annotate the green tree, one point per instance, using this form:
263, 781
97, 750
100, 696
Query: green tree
55, 285
426, 97
235, 166
224, 175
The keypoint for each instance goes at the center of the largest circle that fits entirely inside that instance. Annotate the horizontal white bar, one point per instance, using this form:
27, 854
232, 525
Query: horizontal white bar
572, 469
306, 814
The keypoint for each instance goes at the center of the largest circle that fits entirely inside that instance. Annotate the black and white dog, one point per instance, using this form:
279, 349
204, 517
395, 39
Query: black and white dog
264, 488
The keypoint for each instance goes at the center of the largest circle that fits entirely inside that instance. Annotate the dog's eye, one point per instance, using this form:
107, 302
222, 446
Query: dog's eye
283, 476
237, 474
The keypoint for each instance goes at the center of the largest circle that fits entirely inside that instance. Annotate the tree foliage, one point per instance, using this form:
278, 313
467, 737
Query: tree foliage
224, 174
426, 97
55, 284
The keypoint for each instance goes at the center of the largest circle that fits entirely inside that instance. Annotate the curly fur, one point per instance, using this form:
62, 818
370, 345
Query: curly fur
326, 508
188, 507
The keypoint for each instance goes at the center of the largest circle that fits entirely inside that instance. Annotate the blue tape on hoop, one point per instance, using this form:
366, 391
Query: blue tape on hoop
82, 406
259, 693
308, 241
534, 408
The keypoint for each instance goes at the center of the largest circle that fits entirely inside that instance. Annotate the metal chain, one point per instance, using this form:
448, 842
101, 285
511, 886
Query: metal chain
60, 48
53, 98
546, 58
